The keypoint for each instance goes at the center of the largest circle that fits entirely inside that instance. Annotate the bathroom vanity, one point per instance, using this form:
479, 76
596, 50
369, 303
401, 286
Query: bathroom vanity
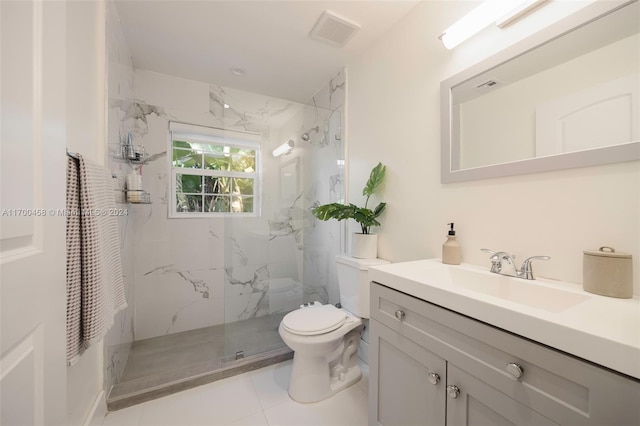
457, 345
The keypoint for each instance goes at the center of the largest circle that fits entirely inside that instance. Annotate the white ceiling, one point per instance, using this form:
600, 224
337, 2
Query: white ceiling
203, 40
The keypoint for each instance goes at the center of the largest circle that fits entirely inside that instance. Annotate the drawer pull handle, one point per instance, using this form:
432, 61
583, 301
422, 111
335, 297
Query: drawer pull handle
434, 378
400, 315
515, 370
453, 391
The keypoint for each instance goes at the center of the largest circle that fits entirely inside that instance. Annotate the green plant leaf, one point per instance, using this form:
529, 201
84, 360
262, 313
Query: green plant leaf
334, 211
375, 180
379, 209
364, 216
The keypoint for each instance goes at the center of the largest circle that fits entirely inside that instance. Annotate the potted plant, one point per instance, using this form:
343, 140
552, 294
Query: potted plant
364, 245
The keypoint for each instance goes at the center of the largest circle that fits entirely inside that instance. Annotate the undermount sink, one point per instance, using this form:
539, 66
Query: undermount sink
525, 292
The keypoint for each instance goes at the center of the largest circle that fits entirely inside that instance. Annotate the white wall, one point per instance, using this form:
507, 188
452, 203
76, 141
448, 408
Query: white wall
85, 133
393, 117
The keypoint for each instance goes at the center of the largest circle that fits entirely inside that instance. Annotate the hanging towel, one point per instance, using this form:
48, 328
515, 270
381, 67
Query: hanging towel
95, 290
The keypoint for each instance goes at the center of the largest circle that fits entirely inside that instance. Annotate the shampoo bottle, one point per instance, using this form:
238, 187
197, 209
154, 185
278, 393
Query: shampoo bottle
451, 249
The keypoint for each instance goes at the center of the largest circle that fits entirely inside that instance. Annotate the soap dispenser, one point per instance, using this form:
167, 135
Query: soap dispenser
451, 249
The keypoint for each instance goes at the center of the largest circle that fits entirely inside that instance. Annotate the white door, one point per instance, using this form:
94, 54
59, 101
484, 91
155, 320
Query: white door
596, 117
32, 231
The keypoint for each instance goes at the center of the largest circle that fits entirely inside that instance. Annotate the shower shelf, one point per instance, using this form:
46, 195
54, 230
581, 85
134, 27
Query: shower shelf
134, 154
132, 197
138, 197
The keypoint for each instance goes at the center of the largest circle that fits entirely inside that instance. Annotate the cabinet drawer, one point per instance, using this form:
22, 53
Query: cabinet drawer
563, 388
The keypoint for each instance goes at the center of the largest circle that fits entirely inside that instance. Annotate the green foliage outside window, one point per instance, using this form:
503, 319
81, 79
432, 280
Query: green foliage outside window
229, 189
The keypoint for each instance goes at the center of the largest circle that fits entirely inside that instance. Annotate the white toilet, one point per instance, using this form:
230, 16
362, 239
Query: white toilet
325, 339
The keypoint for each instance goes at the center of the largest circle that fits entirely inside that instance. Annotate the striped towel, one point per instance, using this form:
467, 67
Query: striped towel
95, 290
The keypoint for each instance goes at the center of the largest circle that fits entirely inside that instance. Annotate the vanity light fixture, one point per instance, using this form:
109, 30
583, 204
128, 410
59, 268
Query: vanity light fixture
284, 148
474, 21
518, 12
502, 12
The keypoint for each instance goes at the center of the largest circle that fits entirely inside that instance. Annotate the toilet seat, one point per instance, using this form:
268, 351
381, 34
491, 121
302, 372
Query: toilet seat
314, 321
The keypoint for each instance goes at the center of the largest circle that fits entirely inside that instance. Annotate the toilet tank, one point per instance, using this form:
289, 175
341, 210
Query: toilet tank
353, 281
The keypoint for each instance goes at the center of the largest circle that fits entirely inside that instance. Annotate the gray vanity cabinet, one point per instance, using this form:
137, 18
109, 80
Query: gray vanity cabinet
431, 366
409, 388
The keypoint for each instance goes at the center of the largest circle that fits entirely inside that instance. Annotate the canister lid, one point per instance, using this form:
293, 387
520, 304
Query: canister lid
606, 251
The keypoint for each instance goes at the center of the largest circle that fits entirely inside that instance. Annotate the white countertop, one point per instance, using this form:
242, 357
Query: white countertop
600, 329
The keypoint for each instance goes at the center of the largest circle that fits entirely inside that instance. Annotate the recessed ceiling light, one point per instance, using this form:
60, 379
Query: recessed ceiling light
238, 71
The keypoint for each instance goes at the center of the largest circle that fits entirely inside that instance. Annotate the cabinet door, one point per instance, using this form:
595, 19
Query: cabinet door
473, 402
407, 383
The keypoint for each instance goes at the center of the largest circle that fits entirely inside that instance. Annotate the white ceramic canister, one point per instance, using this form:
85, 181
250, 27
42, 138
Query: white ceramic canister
607, 272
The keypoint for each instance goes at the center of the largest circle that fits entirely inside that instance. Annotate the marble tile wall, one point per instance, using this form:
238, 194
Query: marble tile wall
196, 272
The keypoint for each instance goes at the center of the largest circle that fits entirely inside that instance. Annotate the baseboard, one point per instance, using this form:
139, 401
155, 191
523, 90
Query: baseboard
98, 411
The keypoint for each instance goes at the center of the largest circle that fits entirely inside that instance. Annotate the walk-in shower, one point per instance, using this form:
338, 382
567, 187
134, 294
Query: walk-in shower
210, 290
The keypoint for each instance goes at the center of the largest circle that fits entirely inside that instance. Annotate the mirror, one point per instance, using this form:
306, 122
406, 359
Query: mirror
571, 101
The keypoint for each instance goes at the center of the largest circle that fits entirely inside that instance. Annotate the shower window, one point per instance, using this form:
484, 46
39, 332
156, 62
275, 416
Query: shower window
214, 172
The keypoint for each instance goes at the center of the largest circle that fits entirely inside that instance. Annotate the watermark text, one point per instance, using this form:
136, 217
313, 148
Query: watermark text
63, 212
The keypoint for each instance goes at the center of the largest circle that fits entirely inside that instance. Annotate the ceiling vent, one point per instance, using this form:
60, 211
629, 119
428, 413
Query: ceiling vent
333, 29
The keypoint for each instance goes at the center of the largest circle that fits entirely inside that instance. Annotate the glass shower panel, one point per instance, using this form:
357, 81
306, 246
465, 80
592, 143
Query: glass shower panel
284, 257
324, 183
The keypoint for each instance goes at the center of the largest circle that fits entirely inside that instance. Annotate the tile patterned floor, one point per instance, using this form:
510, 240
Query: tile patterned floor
255, 398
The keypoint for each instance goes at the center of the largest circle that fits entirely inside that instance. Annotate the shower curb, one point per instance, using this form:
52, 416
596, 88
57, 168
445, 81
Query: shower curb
125, 395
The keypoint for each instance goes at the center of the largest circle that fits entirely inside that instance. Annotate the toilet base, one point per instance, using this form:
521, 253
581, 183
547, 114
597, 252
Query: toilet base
312, 381
314, 378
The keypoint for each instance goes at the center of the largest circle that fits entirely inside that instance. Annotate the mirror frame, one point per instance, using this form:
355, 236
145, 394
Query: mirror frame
591, 157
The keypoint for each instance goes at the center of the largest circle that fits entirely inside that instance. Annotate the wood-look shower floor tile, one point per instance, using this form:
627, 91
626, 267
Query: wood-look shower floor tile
167, 364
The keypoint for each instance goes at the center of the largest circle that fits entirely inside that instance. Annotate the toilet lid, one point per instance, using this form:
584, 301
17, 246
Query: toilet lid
317, 320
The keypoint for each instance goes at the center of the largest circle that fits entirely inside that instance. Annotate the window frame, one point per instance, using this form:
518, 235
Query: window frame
217, 137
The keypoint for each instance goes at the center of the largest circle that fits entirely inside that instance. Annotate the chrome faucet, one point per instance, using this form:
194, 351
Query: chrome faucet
504, 264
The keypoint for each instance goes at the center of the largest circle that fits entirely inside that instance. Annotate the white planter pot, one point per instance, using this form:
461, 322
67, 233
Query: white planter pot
364, 246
